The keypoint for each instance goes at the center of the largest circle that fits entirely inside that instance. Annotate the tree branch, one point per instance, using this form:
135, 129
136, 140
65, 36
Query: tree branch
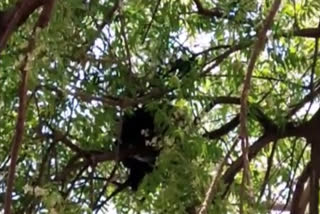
18, 137
298, 204
223, 129
208, 12
258, 47
46, 13
307, 32
12, 18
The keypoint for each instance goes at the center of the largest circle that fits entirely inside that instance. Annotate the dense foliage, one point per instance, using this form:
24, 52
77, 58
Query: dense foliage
69, 70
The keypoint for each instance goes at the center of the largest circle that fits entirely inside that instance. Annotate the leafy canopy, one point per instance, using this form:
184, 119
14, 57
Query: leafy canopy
185, 61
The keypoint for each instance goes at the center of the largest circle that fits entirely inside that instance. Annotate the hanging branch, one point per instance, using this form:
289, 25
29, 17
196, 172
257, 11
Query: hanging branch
17, 140
258, 47
18, 137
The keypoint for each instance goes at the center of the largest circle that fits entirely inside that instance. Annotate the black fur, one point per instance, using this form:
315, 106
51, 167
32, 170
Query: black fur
137, 133
132, 126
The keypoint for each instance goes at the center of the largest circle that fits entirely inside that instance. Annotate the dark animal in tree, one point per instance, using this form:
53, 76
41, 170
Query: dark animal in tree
137, 133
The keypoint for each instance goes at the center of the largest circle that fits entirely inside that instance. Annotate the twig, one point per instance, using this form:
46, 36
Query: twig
214, 183
308, 98
267, 175
152, 19
288, 203
117, 160
126, 44
219, 59
73, 182
107, 19
109, 15
212, 49
95, 205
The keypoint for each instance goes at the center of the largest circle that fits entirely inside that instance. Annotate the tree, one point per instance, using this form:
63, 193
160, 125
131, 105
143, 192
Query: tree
234, 83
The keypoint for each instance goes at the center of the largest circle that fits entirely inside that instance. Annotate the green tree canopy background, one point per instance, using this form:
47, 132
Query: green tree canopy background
69, 68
